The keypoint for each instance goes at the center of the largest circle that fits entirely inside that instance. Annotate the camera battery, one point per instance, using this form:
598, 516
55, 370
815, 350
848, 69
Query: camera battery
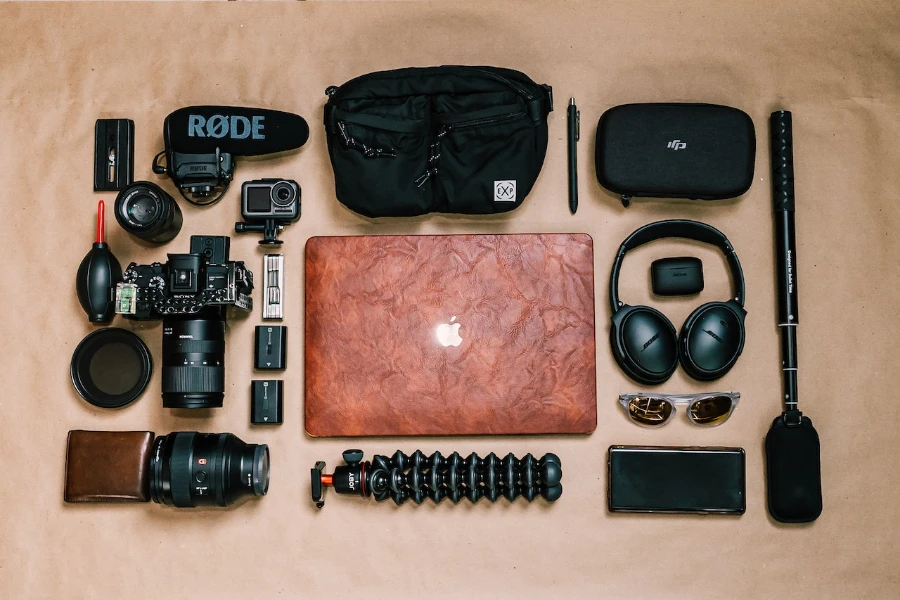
267, 402
271, 347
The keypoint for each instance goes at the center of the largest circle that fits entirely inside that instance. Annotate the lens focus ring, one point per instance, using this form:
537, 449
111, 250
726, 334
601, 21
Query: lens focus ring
193, 374
214, 347
192, 379
200, 381
180, 469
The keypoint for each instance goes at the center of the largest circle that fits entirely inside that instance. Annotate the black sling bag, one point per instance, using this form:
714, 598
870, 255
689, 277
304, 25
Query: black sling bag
451, 139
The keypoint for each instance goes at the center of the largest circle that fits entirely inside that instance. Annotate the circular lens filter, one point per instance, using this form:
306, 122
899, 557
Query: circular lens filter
111, 368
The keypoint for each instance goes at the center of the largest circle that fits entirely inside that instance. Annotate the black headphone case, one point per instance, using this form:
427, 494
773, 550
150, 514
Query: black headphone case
672, 150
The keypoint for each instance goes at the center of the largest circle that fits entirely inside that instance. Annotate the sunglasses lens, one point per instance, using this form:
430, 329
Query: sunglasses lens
710, 411
651, 412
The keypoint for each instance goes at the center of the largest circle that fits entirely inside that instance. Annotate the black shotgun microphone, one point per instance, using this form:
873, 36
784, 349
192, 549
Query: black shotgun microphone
240, 131
793, 469
202, 141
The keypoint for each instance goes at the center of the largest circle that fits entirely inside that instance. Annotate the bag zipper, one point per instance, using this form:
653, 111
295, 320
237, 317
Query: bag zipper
374, 152
368, 151
514, 85
518, 87
435, 147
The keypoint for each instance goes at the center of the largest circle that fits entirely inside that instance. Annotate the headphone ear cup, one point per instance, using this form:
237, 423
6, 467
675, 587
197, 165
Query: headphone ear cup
644, 344
712, 339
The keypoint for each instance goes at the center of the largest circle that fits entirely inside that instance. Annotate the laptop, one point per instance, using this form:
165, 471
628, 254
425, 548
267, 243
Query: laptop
450, 335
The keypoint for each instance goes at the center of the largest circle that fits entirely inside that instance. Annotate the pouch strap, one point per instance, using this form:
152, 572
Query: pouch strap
792, 418
542, 105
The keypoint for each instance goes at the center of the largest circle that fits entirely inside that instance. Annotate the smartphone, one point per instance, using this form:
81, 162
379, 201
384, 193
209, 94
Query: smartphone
667, 479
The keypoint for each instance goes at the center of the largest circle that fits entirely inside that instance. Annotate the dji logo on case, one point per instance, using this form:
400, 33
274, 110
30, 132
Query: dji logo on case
505, 190
676, 145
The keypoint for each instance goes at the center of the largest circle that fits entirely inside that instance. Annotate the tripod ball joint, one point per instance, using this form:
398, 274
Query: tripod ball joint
418, 477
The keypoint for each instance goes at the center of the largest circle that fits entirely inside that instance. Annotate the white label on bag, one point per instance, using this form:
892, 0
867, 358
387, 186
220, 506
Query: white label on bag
505, 190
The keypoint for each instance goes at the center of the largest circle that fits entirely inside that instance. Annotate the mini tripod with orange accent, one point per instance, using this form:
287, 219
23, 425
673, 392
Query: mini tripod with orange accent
417, 477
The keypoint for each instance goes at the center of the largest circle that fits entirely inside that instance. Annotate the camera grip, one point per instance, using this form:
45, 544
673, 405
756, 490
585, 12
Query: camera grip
782, 142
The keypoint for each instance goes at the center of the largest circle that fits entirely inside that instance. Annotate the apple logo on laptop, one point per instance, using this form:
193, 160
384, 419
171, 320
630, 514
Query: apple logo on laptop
448, 334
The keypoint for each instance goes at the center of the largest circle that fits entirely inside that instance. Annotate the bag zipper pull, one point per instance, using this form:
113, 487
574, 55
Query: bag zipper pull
368, 151
434, 157
371, 152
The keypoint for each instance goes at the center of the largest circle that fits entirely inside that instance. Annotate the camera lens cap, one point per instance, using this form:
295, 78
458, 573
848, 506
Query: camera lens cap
111, 367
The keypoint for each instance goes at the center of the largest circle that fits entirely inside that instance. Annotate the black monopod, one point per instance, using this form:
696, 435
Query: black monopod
793, 470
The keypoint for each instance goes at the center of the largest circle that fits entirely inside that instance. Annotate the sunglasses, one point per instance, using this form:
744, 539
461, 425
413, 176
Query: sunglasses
655, 410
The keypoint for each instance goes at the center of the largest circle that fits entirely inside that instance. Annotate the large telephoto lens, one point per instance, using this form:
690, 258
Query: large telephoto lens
145, 210
190, 469
193, 360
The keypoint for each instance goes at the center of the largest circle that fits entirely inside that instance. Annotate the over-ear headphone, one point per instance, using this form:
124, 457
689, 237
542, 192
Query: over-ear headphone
643, 340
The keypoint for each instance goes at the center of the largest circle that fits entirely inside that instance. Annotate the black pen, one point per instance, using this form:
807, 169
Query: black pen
573, 117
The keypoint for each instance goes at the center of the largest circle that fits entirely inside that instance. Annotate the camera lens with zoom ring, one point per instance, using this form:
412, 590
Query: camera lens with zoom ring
146, 211
189, 469
193, 360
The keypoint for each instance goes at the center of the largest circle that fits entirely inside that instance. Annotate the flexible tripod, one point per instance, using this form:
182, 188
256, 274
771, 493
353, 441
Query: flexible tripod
416, 477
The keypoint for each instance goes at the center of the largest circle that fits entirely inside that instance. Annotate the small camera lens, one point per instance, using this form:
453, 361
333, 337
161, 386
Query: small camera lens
283, 194
142, 208
146, 211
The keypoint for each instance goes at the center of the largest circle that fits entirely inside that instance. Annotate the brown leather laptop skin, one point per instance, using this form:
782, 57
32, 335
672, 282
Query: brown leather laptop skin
108, 466
526, 308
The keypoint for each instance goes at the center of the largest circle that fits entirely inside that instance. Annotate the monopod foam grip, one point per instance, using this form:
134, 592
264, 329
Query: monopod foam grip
793, 469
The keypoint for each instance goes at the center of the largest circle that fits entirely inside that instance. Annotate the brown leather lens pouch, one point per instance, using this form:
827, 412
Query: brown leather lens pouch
108, 466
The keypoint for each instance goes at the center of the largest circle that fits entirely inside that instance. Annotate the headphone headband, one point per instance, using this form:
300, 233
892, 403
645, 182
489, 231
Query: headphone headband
678, 228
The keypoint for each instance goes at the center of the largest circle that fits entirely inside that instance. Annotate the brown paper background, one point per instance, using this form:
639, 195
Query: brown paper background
834, 64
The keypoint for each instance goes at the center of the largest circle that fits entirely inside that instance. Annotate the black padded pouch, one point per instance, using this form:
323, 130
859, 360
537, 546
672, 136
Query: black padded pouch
793, 469
697, 151
451, 139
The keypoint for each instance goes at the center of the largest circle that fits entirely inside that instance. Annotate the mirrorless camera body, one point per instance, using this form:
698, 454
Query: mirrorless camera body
267, 205
190, 293
186, 283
